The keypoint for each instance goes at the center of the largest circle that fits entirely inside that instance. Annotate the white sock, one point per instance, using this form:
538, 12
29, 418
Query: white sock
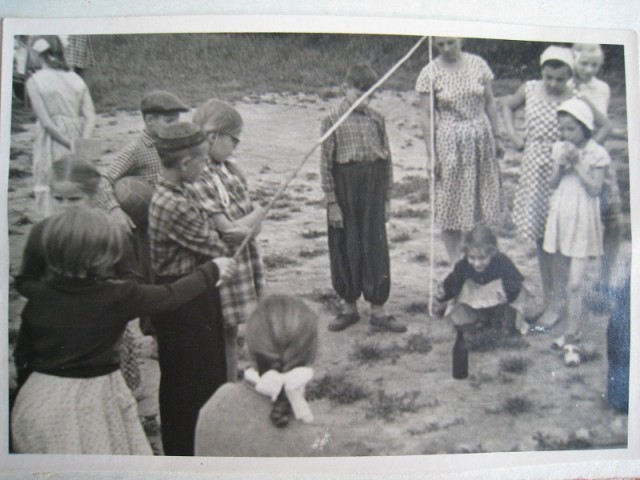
377, 311
350, 308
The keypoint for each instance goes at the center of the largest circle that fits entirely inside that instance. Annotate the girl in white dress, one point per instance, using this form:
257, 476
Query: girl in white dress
574, 228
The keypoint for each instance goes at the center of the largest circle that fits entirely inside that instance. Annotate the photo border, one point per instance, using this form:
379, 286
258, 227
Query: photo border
434, 464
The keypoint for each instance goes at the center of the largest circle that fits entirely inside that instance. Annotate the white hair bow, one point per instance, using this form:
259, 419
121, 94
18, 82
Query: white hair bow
293, 381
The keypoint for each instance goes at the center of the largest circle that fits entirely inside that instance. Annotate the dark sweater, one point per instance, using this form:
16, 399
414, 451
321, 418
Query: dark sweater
500, 267
70, 327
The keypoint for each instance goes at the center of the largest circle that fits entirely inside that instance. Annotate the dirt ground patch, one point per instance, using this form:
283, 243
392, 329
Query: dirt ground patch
385, 394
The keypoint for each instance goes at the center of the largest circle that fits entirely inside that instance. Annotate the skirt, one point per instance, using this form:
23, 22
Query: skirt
95, 415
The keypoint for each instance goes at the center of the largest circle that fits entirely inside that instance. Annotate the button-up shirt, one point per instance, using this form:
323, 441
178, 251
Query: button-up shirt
140, 158
362, 137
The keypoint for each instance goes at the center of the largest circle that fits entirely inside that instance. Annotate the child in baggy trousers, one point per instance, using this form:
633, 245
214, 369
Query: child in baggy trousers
75, 399
357, 178
574, 228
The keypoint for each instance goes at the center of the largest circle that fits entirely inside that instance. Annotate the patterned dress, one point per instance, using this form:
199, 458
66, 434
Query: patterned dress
468, 190
222, 189
531, 203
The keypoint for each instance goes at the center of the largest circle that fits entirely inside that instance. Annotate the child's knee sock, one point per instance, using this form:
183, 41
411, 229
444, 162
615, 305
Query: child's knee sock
377, 310
350, 307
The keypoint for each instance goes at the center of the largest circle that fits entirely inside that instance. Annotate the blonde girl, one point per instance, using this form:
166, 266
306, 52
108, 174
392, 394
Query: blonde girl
267, 415
574, 229
75, 399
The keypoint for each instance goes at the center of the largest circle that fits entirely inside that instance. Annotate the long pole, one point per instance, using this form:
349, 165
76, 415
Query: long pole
326, 135
432, 181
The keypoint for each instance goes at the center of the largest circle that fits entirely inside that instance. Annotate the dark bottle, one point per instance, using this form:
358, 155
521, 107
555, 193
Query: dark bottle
460, 357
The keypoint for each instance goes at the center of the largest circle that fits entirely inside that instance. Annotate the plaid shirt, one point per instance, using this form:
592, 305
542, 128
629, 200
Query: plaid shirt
362, 137
140, 158
180, 234
222, 189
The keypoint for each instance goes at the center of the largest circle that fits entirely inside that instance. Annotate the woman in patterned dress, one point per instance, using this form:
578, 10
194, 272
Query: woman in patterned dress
467, 175
540, 99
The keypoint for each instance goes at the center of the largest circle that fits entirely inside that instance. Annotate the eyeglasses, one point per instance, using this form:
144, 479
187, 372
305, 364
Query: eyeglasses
235, 140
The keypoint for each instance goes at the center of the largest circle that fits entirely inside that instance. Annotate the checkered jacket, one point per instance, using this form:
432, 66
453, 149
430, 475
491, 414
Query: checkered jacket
362, 137
222, 188
180, 234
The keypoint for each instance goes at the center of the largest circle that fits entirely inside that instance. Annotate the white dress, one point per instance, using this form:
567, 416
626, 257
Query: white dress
574, 227
63, 94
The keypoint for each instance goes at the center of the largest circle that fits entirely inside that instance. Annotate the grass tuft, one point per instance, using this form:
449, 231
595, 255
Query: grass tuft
417, 308
312, 233
337, 388
312, 252
371, 351
550, 442
401, 237
516, 405
418, 343
328, 298
514, 364
389, 406
277, 260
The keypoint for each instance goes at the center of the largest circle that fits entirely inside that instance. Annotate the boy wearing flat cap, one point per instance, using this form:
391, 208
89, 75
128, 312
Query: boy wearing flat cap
140, 158
190, 338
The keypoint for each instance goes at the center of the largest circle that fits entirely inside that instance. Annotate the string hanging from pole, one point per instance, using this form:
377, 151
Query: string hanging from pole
326, 135
432, 178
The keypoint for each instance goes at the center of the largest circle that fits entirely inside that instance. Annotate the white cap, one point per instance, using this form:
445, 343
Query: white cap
41, 45
563, 54
579, 110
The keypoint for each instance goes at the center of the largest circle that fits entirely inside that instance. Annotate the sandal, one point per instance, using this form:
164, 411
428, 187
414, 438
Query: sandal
571, 355
566, 339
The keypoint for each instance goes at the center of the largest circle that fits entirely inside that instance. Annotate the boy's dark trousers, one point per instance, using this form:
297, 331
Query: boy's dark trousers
192, 366
358, 252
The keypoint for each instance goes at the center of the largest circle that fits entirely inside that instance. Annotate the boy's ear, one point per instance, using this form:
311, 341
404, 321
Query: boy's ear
148, 118
184, 163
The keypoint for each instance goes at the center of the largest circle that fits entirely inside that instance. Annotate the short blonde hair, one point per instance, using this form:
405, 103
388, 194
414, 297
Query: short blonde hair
82, 243
580, 49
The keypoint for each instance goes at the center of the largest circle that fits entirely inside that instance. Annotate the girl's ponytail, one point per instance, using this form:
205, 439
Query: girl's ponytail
281, 411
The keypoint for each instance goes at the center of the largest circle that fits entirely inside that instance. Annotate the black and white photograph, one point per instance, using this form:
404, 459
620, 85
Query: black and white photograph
232, 242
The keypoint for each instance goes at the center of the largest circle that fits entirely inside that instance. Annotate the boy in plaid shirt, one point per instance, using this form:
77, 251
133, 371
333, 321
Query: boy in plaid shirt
357, 177
190, 338
222, 193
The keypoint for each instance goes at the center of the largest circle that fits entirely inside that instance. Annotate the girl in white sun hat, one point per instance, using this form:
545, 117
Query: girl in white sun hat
574, 230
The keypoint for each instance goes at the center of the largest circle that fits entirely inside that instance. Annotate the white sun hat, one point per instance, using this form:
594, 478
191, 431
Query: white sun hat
563, 54
579, 110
